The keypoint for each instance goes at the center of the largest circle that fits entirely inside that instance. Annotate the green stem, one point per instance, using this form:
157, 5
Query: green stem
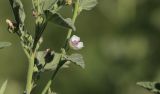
53, 76
50, 81
30, 74
47, 87
57, 59
75, 14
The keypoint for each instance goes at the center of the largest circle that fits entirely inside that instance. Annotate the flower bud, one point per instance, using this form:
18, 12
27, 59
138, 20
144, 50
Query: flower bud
34, 13
75, 43
10, 24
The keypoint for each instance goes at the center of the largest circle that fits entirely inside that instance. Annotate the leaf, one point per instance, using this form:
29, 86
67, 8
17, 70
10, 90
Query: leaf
151, 86
59, 20
45, 5
77, 59
53, 5
41, 56
48, 4
18, 11
4, 44
3, 87
51, 65
87, 4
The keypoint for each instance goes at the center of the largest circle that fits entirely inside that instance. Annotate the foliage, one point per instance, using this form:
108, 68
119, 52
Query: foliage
45, 11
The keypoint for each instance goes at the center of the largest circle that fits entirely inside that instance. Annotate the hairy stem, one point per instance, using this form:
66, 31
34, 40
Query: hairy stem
30, 74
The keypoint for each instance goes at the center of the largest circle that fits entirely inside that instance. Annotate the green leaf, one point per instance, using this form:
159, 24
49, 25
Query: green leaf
45, 5
59, 20
51, 65
4, 44
3, 87
18, 11
40, 56
151, 86
48, 4
53, 5
77, 59
87, 4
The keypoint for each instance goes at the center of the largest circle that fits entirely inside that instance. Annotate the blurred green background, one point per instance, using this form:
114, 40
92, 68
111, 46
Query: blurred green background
122, 46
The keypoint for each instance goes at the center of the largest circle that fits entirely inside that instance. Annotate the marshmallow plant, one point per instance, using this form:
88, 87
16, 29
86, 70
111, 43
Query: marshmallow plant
40, 61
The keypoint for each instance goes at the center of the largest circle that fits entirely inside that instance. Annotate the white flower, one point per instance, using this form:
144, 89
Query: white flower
75, 43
